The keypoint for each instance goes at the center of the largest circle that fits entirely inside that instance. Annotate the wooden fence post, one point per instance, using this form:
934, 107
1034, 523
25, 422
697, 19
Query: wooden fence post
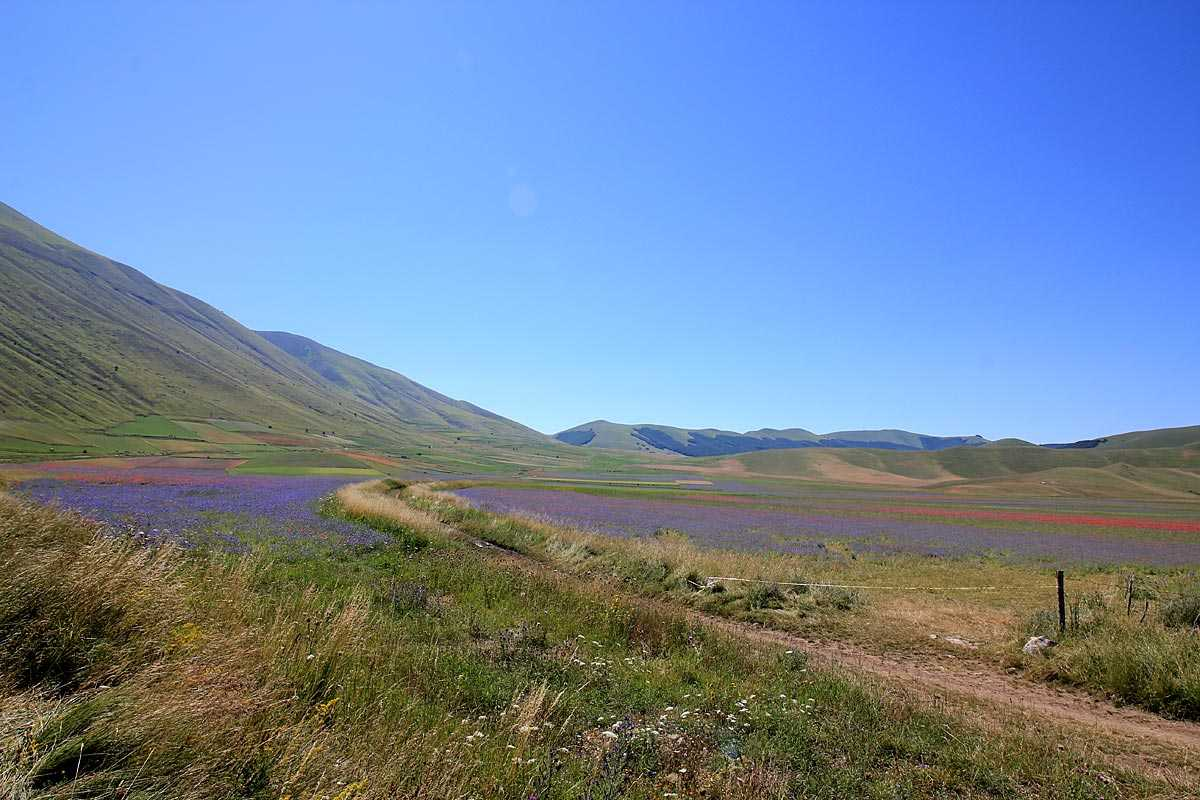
1062, 604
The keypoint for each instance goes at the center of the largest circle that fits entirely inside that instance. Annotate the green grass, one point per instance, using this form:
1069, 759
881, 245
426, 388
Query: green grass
24, 446
347, 471
239, 426
153, 425
1154, 662
305, 462
425, 670
1144, 653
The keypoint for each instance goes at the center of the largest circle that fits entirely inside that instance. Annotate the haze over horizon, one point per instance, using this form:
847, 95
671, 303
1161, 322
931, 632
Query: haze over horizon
946, 219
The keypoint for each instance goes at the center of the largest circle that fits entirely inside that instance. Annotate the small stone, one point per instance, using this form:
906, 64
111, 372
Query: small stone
1038, 644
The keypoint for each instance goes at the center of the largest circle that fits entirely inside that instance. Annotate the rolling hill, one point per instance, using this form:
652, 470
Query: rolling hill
90, 345
1002, 469
713, 442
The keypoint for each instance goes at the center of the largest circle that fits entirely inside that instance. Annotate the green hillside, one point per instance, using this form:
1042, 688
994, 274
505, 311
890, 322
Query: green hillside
390, 391
701, 442
1018, 469
97, 357
1163, 437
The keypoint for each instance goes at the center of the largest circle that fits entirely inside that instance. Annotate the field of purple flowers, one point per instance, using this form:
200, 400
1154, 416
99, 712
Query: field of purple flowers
210, 507
799, 530
203, 506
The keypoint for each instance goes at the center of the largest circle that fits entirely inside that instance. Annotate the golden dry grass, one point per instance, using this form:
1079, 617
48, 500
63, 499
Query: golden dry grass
204, 676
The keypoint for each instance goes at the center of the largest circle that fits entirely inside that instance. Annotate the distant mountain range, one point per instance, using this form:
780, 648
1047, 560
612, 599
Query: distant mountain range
714, 442
87, 343
665, 439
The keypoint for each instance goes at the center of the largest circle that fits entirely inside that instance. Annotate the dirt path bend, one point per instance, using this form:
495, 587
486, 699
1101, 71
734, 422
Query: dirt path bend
939, 678
975, 680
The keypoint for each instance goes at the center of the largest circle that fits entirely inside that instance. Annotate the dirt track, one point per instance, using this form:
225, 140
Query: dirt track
977, 681
1147, 736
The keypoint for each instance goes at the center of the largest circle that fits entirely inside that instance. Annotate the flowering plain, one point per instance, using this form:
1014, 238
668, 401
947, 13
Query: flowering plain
1125, 532
198, 506
438, 672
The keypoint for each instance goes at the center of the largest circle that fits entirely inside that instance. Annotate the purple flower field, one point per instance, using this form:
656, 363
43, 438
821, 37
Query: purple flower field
207, 507
799, 531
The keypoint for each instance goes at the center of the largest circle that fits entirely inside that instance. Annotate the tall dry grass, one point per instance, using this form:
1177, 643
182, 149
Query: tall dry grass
127, 669
374, 503
135, 671
1149, 656
198, 675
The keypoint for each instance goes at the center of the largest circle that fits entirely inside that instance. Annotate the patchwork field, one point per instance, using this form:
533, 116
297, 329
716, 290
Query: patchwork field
157, 500
1057, 532
817, 566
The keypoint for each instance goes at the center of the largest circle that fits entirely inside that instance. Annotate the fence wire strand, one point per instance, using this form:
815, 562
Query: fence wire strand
1028, 587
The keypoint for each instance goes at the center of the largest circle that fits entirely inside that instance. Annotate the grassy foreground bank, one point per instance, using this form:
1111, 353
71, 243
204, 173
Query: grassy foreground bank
1149, 658
420, 669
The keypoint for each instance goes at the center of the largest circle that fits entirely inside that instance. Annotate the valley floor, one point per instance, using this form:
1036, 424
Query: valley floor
397, 607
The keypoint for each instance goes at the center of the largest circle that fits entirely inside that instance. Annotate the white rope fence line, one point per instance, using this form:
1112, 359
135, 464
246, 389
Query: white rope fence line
718, 578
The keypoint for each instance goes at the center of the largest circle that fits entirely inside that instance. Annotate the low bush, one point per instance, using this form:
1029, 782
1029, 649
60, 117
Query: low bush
1182, 610
1147, 662
765, 595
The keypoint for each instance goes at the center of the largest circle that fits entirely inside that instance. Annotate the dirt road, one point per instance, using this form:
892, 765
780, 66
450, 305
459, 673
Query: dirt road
946, 678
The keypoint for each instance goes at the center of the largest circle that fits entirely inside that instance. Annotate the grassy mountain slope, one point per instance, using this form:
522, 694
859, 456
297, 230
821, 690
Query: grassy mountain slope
1162, 437
385, 389
711, 441
1020, 469
87, 343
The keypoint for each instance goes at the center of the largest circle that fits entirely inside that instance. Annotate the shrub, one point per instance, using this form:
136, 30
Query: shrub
765, 595
840, 599
1107, 652
404, 597
1182, 610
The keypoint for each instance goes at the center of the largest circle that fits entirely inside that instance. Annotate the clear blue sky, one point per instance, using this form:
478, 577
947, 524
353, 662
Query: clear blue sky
947, 218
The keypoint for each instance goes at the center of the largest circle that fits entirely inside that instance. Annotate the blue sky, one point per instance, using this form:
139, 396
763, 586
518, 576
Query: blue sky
948, 218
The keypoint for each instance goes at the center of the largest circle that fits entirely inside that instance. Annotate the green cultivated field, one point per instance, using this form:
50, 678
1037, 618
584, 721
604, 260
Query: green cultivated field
305, 463
154, 426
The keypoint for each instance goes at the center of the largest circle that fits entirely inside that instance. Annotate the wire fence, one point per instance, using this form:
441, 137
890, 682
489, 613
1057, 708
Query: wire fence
816, 585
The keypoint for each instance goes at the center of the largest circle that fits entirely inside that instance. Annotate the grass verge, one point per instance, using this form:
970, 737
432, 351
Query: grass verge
420, 669
1146, 654
1153, 663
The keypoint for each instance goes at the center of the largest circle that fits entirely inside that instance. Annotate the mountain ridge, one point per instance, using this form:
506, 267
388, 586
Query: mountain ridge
87, 342
701, 442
